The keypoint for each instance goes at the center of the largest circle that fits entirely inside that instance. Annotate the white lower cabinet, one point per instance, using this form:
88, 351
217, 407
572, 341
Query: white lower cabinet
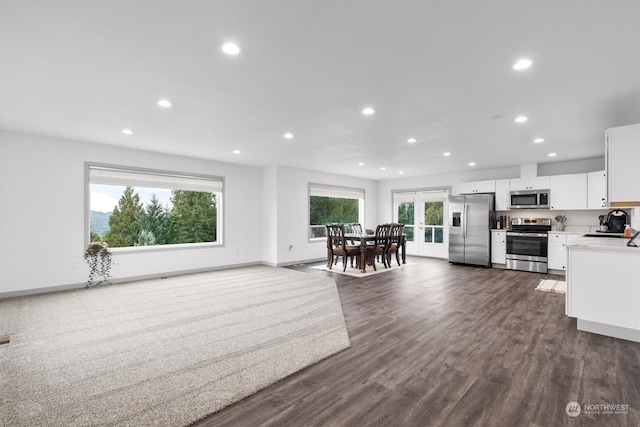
498, 247
557, 252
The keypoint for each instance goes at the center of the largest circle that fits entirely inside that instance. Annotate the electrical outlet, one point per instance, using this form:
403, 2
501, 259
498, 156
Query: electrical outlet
74, 264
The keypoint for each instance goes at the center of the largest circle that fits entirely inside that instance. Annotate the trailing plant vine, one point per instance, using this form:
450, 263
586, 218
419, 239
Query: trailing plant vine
98, 256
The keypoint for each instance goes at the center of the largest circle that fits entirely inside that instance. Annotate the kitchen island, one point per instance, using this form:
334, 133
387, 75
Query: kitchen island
603, 286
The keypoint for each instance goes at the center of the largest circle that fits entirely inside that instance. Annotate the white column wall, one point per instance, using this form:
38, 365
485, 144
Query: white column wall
293, 211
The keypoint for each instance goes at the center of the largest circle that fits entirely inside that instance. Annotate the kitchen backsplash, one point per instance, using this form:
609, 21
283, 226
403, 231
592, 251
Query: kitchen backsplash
579, 221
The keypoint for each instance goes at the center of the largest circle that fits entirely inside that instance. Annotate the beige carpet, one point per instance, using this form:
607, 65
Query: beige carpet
162, 352
355, 271
556, 286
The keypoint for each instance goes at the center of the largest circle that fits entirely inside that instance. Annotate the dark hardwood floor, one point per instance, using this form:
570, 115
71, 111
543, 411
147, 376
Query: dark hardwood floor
436, 344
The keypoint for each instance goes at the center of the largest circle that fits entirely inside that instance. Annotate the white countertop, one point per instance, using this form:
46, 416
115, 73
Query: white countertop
603, 243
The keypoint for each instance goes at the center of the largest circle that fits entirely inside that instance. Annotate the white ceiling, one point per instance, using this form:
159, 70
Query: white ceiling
439, 71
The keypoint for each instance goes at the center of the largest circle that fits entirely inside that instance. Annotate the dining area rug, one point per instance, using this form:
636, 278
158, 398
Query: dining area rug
355, 271
162, 351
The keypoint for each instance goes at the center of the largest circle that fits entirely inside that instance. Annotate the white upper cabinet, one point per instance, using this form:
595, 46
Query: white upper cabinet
569, 192
535, 183
596, 190
475, 187
503, 196
623, 165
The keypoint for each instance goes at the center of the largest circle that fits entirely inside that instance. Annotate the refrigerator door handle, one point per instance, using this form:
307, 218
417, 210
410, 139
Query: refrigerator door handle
464, 221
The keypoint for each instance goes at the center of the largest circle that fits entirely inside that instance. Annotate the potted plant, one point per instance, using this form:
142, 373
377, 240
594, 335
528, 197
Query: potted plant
98, 256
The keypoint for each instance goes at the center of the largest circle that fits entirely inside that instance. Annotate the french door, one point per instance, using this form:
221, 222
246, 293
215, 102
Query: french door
423, 214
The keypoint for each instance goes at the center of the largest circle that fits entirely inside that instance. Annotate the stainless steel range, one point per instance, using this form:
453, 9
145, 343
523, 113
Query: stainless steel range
527, 244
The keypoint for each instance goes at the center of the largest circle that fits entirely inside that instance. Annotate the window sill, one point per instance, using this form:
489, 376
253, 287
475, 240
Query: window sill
163, 248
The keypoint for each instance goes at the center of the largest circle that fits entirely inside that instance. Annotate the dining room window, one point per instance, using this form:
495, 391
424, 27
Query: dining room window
328, 205
133, 207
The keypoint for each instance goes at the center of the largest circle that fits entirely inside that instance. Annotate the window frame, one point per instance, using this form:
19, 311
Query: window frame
220, 208
333, 189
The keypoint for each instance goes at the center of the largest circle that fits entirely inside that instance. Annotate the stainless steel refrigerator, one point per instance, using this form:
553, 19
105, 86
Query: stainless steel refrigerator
470, 220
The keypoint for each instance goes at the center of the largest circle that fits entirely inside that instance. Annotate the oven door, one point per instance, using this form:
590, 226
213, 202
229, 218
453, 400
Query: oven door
527, 246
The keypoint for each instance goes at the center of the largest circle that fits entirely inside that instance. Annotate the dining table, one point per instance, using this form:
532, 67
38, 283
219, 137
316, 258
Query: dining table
363, 239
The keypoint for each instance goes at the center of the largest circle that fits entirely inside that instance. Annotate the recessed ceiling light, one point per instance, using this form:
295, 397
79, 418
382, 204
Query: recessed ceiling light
521, 119
288, 135
522, 64
236, 151
231, 48
127, 131
538, 140
472, 163
447, 154
383, 168
368, 111
165, 103
361, 164
553, 154
401, 172
412, 140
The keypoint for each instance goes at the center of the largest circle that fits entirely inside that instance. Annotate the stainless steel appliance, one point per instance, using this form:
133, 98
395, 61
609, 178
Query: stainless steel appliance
530, 199
470, 221
527, 244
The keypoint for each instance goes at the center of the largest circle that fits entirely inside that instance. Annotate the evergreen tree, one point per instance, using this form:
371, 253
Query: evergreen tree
124, 223
193, 217
327, 210
95, 237
405, 213
146, 238
433, 213
157, 220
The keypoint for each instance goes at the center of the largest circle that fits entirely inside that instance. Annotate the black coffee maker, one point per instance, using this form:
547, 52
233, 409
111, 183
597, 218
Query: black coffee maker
616, 220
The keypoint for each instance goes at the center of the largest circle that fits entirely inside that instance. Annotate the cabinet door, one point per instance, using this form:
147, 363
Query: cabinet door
498, 247
465, 188
596, 190
536, 183
539, 183
557, 254
519, 184
503, 197
623, 172
569, 192
485, 186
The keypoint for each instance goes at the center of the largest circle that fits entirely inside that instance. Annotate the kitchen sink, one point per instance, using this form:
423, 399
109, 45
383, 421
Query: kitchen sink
609, 235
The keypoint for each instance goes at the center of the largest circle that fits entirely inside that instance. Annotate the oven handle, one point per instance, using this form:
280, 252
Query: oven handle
512, 233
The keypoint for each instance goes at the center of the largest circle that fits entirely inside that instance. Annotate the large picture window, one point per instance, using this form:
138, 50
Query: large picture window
329, 205
130, 207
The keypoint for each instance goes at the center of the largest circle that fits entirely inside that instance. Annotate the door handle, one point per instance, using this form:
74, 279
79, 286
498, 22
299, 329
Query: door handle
464, 219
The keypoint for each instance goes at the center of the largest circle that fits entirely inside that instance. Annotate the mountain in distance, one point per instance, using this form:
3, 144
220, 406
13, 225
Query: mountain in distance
99, 222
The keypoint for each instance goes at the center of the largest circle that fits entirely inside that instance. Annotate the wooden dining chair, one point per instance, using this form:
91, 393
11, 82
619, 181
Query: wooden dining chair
377, 250
337, 246
394, 242
356, 228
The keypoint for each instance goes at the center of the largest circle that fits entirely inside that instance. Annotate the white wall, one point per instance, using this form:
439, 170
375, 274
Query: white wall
293, 211
42, 215
270, 215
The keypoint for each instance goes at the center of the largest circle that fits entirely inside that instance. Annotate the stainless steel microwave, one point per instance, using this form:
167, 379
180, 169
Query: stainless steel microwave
530, 199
